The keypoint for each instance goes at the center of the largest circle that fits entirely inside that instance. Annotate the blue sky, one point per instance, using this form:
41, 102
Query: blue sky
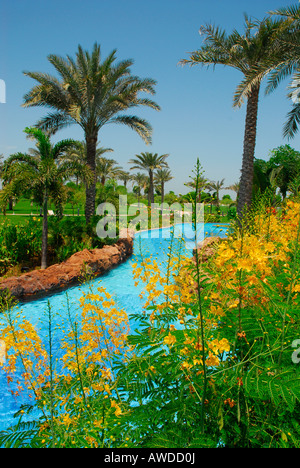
196, 118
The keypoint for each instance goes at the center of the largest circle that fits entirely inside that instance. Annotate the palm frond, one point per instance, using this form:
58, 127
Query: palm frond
291, 12
140, 126
62, 146
53, 122
20, 436
281, 72
291, 126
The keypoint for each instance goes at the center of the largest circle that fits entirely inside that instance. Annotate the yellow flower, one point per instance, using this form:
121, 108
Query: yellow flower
244, 264
186, 365
118, 410
224, 345
212, 360
170, 339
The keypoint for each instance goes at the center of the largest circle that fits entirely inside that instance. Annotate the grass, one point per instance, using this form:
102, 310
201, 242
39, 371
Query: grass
25, 208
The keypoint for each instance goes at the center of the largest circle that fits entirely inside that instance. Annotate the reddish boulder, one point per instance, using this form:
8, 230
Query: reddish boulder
207, 248
80, 265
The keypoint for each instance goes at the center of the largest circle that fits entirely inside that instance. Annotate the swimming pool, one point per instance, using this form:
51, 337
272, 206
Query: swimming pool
119, 282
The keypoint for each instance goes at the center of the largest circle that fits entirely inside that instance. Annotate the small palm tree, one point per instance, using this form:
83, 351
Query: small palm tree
142, 182
161, 177
91, 92
234, 187
125, 177
107, 169
200, 183
216, 187
41, 175
79, 155
149, 162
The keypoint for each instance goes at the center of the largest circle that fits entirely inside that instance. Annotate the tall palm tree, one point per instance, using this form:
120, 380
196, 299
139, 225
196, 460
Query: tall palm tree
149, 162
216, 187
91, 92
250, 52
41, 175
161, 177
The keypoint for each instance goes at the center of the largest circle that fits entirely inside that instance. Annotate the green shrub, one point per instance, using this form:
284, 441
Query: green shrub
231, 212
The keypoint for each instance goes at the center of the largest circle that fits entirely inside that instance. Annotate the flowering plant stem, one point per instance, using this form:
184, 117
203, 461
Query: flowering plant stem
197, 180
49, 310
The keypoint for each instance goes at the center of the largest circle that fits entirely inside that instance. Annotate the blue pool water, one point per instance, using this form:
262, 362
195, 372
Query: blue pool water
118, 282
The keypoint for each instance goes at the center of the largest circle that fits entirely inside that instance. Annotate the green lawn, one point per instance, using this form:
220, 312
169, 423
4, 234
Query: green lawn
25, 206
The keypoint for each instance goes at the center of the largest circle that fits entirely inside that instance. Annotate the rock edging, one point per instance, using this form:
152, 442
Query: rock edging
57, 277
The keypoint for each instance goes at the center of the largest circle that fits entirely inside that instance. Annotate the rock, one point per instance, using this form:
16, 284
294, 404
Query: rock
207, 248
57, 277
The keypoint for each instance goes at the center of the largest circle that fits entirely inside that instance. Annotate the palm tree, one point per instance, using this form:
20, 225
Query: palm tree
142, 181
91, 92
216, 187
289, 64
5, 181
200, 183
79, 156
125, 177
1, 163
251, 52
234, 187
161, 177
107, 169
41, 175
149, 162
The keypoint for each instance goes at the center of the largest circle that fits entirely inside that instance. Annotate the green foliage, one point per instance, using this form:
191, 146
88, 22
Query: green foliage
19, 243
231, 214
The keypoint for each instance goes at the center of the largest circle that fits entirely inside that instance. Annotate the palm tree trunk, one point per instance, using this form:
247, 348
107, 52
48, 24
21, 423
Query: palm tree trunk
162, 192
151, 189
246, 181
162, 196
91, 143
45, 231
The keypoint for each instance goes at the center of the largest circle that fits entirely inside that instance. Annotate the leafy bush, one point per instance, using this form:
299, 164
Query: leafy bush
231, 212
19, 243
